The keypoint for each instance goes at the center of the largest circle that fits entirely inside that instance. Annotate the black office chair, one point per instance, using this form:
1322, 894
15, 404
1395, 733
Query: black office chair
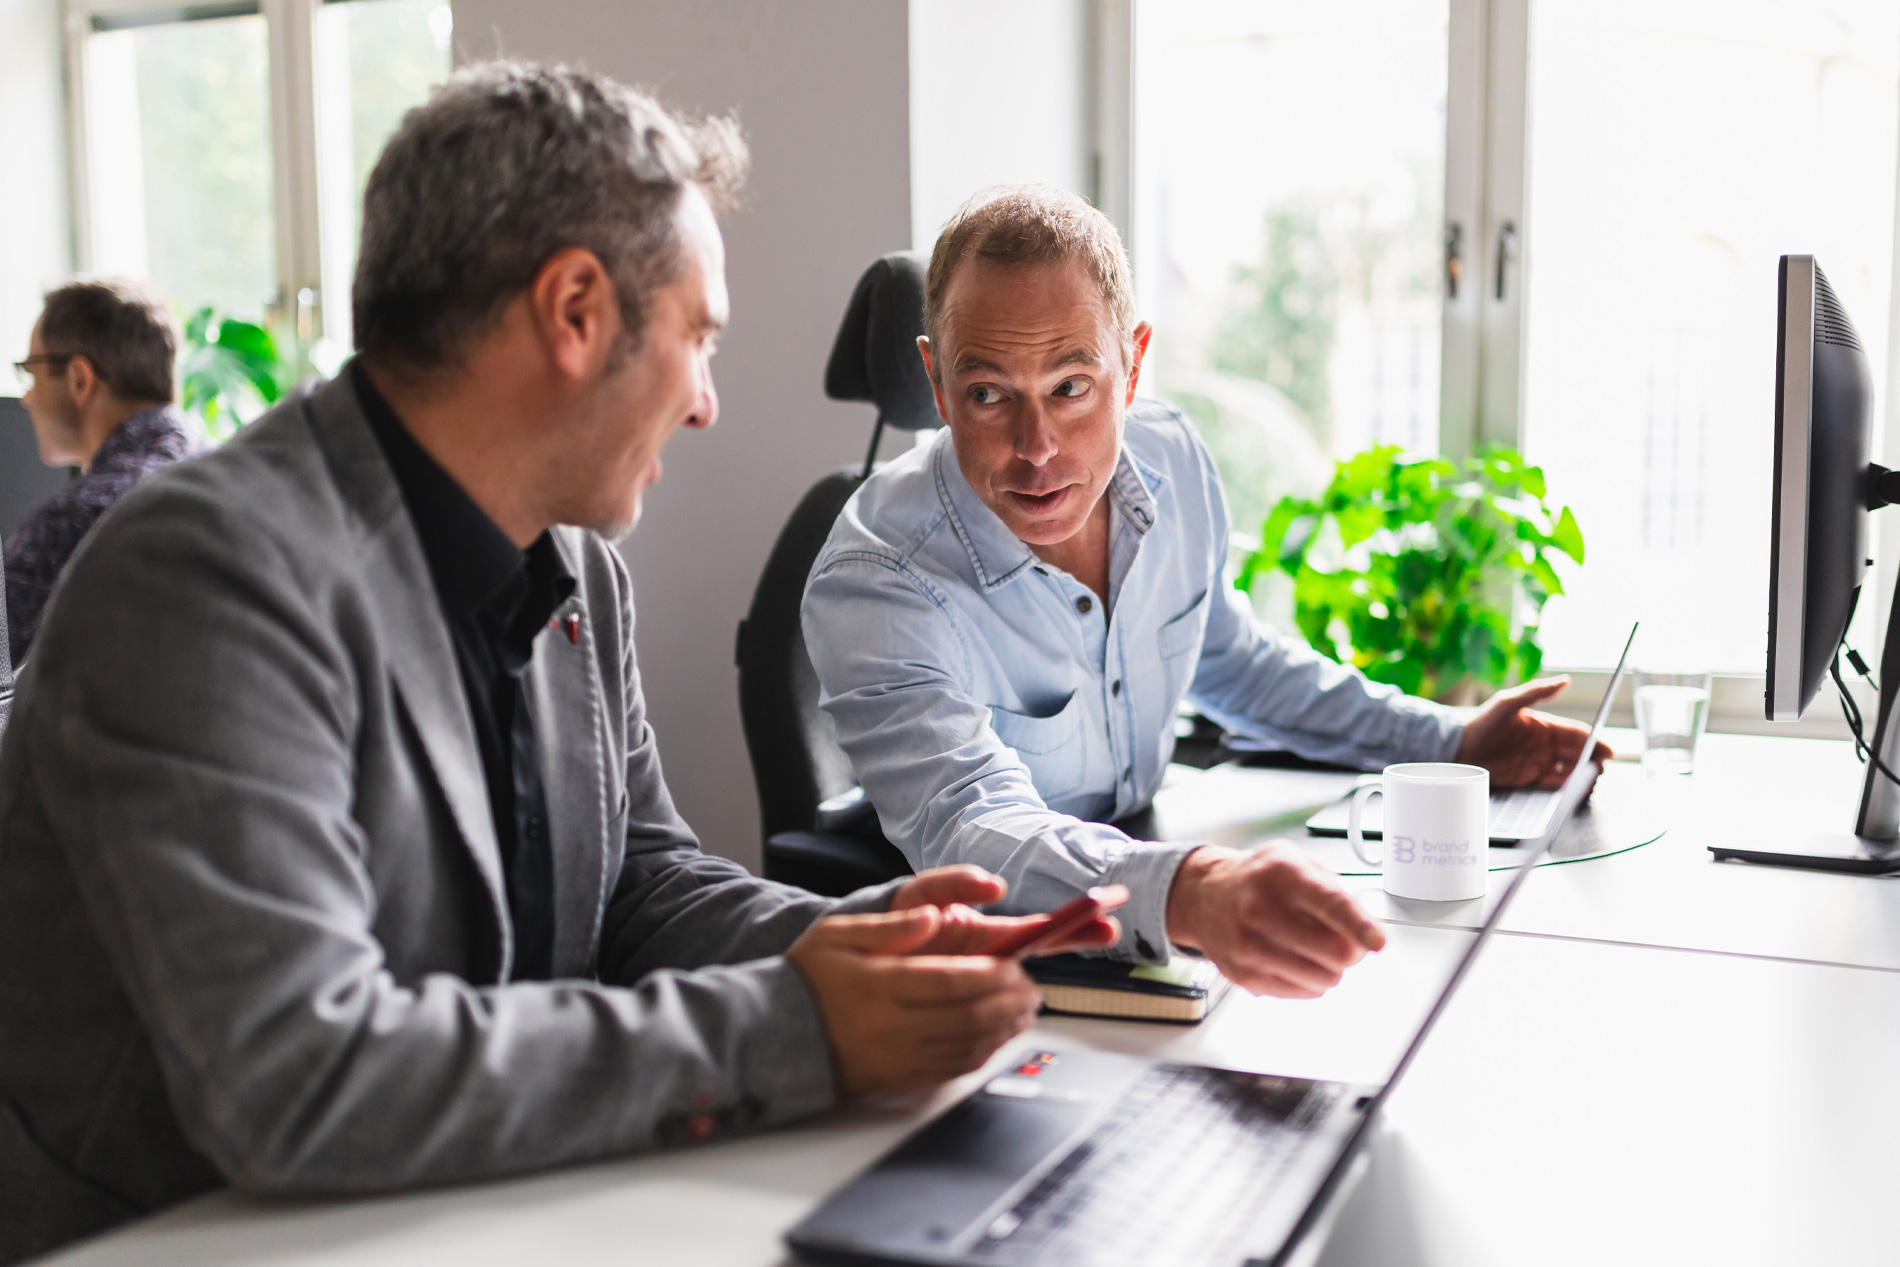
796, 760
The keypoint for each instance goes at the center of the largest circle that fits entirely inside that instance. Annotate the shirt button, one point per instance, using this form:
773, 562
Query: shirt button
1116, 687
1084, 604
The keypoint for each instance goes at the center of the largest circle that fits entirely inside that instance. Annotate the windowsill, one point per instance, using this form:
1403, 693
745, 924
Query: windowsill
1735, 706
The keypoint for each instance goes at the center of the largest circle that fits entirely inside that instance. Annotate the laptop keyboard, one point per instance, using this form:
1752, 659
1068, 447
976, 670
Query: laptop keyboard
1520, 813
1174, 1174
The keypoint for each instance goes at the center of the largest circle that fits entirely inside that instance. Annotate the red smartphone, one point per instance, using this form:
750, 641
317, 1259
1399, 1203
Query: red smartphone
1065, 921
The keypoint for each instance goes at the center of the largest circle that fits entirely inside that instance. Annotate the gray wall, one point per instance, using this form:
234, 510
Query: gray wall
998, 95
822, 90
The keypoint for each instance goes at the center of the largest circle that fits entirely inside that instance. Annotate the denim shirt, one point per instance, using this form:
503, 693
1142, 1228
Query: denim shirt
995, 714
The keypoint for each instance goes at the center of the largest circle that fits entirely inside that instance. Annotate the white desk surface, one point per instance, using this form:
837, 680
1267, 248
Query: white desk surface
1671, 893
1581, 1102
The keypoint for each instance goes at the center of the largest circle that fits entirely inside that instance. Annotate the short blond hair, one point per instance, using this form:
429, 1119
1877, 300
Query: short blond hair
1020, 226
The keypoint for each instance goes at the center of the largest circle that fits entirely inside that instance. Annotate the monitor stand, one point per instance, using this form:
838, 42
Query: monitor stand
1821, 852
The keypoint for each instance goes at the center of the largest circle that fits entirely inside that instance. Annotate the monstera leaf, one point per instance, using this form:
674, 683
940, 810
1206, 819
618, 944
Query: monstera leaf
232, 371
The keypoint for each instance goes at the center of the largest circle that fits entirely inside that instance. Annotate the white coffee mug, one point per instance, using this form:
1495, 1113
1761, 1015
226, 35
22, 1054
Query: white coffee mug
1437, 829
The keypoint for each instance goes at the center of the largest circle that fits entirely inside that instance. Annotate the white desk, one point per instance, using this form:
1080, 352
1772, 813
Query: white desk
1582, 1101
1666, 894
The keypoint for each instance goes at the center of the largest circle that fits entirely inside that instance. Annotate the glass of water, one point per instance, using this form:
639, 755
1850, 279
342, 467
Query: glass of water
1671, 710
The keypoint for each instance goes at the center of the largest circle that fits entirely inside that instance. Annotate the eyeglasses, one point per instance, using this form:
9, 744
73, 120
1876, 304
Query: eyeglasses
55, 360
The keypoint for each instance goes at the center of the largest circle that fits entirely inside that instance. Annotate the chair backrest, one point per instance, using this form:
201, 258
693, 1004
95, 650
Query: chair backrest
796, 760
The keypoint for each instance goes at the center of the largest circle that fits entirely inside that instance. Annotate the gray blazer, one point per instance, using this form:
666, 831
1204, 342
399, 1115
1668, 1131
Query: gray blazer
253, 927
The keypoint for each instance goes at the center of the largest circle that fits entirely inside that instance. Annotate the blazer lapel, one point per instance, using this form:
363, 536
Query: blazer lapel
564, 691
415, 638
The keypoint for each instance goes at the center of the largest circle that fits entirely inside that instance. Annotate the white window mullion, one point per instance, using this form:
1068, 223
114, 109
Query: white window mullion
1506, 223
294, 146
1112, 112
1465, 264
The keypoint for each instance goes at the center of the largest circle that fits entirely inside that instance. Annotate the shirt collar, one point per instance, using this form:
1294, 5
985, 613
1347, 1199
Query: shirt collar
470, 558
132, 441
999, 555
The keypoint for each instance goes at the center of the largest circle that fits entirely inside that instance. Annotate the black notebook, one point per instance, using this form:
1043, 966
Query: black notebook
1183, 990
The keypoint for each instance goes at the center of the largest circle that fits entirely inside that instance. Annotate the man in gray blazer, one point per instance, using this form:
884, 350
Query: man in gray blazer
336, 855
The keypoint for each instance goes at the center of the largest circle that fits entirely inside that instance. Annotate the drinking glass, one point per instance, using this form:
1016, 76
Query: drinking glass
1671, 710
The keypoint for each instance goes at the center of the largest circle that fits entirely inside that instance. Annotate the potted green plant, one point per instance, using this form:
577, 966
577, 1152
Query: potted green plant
1430, 575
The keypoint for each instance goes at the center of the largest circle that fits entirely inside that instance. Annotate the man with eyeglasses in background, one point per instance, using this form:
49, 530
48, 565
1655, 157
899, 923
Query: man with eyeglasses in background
101, 361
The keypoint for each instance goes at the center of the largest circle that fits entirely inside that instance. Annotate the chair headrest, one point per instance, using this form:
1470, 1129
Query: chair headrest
875, 355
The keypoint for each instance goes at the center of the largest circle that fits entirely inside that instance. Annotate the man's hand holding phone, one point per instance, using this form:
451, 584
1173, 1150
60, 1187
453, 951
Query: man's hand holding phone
928, 990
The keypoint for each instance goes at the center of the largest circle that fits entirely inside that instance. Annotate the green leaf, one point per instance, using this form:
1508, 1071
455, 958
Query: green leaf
1567, 536
230, 372
1278, 542
1541, 569
1429, 566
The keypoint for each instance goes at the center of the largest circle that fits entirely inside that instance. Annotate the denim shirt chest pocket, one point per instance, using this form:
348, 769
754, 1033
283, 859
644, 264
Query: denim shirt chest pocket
1051, 746
1179, 639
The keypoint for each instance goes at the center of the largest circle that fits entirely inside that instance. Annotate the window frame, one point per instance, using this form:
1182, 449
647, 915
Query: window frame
1484, 331
290, 27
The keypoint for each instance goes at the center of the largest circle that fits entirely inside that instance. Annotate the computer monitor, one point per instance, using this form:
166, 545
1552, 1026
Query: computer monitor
1824, 488
1823, 428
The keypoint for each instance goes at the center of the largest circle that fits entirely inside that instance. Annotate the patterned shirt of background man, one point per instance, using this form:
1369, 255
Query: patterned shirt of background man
142, 445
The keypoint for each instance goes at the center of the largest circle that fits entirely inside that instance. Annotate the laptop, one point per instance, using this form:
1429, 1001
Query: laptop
1099, 1159
1517, 815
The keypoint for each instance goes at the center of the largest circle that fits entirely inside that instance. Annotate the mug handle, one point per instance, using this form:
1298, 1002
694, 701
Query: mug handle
1353, 836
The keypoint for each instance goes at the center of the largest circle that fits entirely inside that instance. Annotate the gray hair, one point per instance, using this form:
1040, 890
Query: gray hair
507, 164
123, 329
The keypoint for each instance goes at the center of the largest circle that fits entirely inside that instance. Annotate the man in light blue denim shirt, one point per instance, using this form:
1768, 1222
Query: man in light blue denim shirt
1005, 620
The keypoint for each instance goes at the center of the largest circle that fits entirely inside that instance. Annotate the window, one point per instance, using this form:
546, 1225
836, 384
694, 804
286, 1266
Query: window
179, 164
222, 148
1289, 200
1677, 149
374, 59
1547, 223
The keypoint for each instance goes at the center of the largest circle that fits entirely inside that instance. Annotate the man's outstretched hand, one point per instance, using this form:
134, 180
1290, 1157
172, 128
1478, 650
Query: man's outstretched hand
912, 998
1523, 748
1272, 921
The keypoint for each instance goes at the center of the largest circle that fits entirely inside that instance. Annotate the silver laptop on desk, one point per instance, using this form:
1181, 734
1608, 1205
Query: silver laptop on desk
1517, 815
1101, 1160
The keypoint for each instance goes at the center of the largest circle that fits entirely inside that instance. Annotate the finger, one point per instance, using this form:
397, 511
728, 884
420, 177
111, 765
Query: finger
1003, 1013
969, 932
937, 980
942, 886
1261, 980
1260, 960
1335, 908
1531, 694
955, 1057
1104, 932
1277, 987
887, 933
954, 1034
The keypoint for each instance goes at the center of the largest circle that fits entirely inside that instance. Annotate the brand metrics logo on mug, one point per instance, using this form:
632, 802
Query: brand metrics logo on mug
1437, 829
